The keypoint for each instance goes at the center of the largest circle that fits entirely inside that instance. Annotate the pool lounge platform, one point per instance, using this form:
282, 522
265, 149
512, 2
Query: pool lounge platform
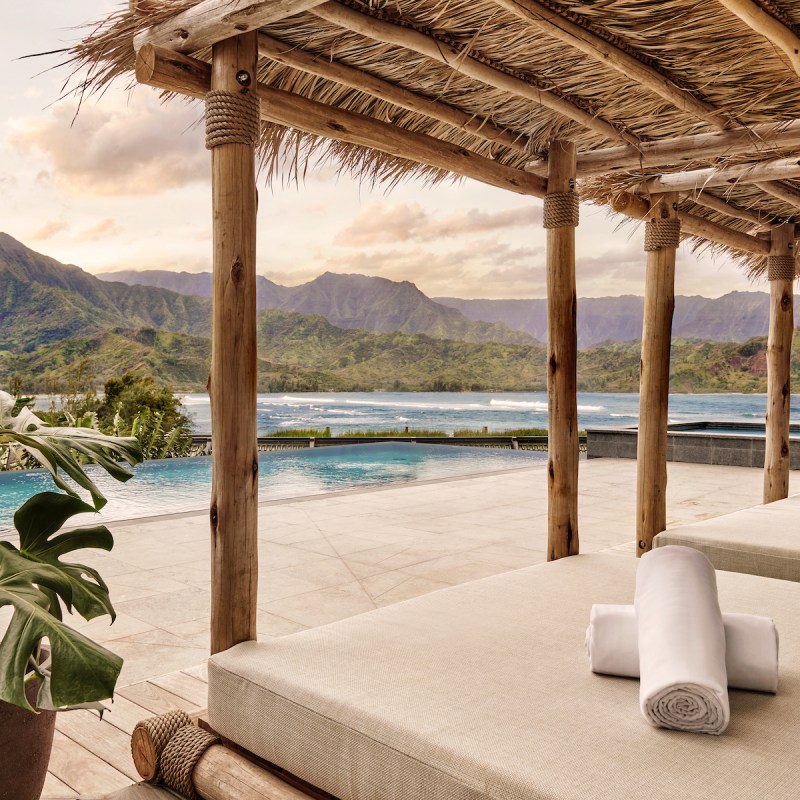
729, 444
326, 558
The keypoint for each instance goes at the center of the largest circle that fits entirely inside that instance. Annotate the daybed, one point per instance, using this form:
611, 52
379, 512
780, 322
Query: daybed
762, 540
484, 691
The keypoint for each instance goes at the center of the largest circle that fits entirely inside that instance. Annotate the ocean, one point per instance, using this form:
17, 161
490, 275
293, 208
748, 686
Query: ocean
448, 411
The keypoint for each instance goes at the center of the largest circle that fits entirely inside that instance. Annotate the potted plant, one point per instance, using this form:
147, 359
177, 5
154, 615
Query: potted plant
38, 585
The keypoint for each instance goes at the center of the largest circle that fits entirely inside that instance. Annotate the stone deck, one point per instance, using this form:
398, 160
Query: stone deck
326, 558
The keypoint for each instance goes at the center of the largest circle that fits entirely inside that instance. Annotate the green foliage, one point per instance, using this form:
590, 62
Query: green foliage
36, 583
59, 449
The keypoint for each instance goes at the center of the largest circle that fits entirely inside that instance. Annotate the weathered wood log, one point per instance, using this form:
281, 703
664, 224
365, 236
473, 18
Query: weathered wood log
232, 384
210, 21
633, 206
459, 61
651, 452
773, 30
781, 191
332, 70
572, 34
562, 353
772, 137
178, 73
753, 172
715, 203
777, 460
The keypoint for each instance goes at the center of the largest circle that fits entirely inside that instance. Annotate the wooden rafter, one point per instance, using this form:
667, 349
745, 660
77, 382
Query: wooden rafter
769, 137
175, 72
345, 75
715, 203
773, 30
780, 191
210, 21
591, 44
694, 179
691, 224
459, 61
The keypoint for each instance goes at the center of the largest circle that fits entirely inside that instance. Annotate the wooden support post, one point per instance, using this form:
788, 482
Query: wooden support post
232, 384
659, 304
779, 353
562, 352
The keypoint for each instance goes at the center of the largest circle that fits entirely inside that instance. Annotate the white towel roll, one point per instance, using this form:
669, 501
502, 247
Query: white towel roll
751, 647
683, 680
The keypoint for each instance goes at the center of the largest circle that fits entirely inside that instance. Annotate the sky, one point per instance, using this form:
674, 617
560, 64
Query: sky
125, 184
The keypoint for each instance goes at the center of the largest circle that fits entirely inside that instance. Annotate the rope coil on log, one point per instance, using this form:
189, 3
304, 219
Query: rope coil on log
781, 268
660, 233
180, 757
232, 118
159, 730
561, 210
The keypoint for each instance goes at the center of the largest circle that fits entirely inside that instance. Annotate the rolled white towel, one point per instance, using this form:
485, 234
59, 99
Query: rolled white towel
683, 681
751, 647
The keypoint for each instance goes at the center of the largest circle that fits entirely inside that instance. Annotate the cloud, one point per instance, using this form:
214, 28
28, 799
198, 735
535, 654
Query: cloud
100, 230
50, 229
378, 223
114, 148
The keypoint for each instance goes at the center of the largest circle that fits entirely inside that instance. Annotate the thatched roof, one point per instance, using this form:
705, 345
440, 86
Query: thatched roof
727, 74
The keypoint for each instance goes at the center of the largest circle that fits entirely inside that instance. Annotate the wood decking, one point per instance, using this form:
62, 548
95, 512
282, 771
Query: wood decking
92, 758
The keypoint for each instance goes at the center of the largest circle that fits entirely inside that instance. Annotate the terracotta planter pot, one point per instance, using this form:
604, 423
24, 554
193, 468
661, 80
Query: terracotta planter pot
25, 743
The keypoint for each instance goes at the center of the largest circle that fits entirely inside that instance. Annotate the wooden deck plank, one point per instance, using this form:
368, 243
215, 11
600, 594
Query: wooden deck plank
124, 714
200, 671
186, 686
87, 774
156, 699
53, 787
101, 739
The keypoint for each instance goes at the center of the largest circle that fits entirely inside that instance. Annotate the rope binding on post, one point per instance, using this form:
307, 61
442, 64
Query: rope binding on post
660, 233
781, 268
232, 118
180, 757
160, 730
561, 210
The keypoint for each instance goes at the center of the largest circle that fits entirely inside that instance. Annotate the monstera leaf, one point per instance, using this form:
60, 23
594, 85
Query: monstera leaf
35, 583
53, 448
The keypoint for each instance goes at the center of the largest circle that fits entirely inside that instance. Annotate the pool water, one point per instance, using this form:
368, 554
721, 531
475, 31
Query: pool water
184, 484
731, 429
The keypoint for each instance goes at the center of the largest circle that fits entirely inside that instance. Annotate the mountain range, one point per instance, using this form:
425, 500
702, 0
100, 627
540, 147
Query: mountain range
381, 306
60, 322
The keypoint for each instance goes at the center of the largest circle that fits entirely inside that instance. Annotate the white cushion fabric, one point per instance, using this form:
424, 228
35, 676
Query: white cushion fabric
483, 691
763, 540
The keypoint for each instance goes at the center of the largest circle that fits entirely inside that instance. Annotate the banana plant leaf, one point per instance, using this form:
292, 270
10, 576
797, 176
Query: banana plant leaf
35, 582
53, 448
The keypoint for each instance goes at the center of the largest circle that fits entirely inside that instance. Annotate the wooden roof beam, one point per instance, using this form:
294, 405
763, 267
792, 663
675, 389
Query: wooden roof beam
772, 136
459, 61
563, 29
773, 30
210, 21
708, 200
174, 72
781, 191
697, 179
325, 67
638, 208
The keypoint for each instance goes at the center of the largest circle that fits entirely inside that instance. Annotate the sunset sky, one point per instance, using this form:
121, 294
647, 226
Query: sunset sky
126, 185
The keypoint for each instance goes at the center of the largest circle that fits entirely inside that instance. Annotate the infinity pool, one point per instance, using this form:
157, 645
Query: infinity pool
184, 484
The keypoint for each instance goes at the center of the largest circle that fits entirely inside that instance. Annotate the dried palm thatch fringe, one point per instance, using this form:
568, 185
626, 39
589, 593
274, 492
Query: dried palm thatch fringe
700, 47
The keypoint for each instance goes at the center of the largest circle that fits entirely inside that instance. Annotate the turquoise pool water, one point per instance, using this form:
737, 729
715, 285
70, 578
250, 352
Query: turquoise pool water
184, 484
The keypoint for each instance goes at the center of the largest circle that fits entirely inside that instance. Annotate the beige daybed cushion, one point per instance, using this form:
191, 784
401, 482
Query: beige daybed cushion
763, 540
484, 691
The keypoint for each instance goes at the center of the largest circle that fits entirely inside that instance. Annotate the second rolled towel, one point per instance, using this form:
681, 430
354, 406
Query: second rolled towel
751, 651
683, 683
